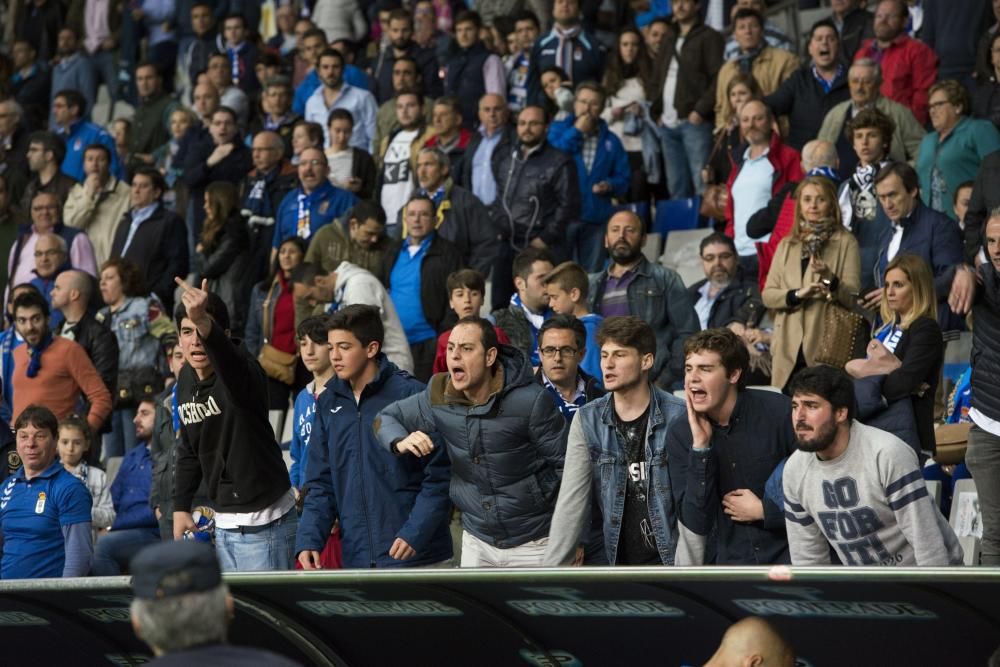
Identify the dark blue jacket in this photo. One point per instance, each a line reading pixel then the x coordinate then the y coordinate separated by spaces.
pixel 588 61
pixel 130 491
pixel 610 164
pixel 465 80
pixel 376 495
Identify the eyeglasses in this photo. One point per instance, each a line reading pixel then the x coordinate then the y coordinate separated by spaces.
pixel 937 105
pixel 52 252
pixel 551 352
pixel 313 163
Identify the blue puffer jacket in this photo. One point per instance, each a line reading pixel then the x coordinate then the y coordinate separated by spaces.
pixel 610 165
pixel 506 454
pixel 377 496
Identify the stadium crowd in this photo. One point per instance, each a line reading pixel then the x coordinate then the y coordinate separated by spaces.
pixel 424 230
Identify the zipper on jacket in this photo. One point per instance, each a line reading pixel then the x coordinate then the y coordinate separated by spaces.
pixel 364 499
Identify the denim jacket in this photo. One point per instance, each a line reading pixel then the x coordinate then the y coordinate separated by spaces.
pixel 138 325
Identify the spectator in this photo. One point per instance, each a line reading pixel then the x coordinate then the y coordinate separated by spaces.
pixel 477 173
pixel 240 51
pixel 166 157
pixel 59 377
pixel 400 36
pixel 986 98
pixel 264 188
pixel 223 251
pixel 13 149
pixel 399 519
pixel 984 50
pixel 46 152
pixel 768 65
pixel 48 537
pixel 854 23
pixel 765 166
pixel 568 46
pixel 362 241
pixel 21 261
pixel 10 339
pixel 753 638
pixel 206 102
pixel 727 296
pixel 139 324
pixel 727 138
pixel 566 288
pixel 870 134
pixel 71 71
pixel 520 438
pixel 99 38
pixel 909 67
pixel 151 123
pixel 466 292
pixel 312 205
pixel 201 43
pixel 471 70
pixel 314 350
pixel 405 78
pixel 817 263
pixel 277 115
pixel 78 135
pixel 529 305
pixel 985 197
pixel 50 260
pixel 222 394
pixel 952 153
pixel 152 237
pixel 807 96
pixel 31 83
pixel 416 285
pixel 870 471
pixel 907 348
pixel 219 75
pixel 156 22
pixel 311 45
pixel 960 204
pixel 558 98
pixel 460 214
pixel 335 93
pixel 642 529
pixel 351 168
pixel 135 524
pixel 397 157
pixel 73 447
pixel 518 63
pixel 950 35
pixel 562 344
pixel 340 19
pixel 11 218
pixel 773 34
pixel 449 135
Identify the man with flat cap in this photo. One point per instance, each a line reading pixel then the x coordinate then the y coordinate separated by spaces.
pixel 182 608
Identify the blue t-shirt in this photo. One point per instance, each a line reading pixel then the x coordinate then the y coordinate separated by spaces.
pixel 404 289
pixel 32 515
pixel 305 411
pixel 591 362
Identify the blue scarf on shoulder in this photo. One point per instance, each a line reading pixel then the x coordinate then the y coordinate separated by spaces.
pixel 35 354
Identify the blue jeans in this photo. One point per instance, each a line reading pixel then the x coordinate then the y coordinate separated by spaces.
pixel 586 245
pixel 685 152
pixel 104 66
pixel 114 550
pixel 122 436
pixel 257 548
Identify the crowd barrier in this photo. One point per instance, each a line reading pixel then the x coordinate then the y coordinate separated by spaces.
pixel 552 618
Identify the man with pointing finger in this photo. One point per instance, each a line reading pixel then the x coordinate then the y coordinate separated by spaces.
pixel 226 439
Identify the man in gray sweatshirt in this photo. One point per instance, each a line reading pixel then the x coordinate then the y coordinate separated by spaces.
pixel 854 487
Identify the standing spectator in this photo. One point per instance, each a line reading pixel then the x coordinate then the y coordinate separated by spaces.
pixel 335 93
pixel 986 98
pixel 489 388
pixel 98 26
pixel 96 205
pixel 351 169
pixel 952 153
pixel 182 120
pixel 74 447
pixel 68 112
pixel 226 438
pixel 518 63
pixel 400 36
pixel 71 71
pixel 984 49
pixel 405 78
pixel 471 70
pixel 393 512
pixel 264 188
pixel 476 174
pixel 818 262
pixel 311 45
pixel 150 127
pixel 909 67
pixel 529 305
pixel 854 23
pixel 135 523
pixel 51 537
pixel 314 350
pixel 46 152
pixel 985 197
pixel 31 84
pixel 38 22
pixel 220 75
pixel 569 46
pixel 50 260
pixel 773 34
pixel 950 34
pixel 602 171
pixel 562 344
pixel 727 137
pixel 340 19
pixel 871 134
pixel 397 157
pixel 449 135
pixel 276 107
pixel 13 149
pixel 466 293
pixel 312 205
pixel 240 51
pixel 566 288
pixel 632 285
pixel 223 251
pixel 195 49
pixel 44 220
pixel 362 241
pixel 305 135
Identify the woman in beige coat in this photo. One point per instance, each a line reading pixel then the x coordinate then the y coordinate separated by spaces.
pixel 814 265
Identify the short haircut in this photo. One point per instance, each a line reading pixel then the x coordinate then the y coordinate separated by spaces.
pixel 467 279
pixel 38 416
pixel 340 114
pixel 748 13
pixel 717 237
pixel 49 141
pixel 565 322
pixel 956 93
pixel 439 156
pixel 314 328
pixel 363 321
pixel 469 16
pixel 215 307
pixel 412 91
pixel 331 53
pixel 421 197
pixel 824 23
pixel 961 186
pixel 306 273
pixel 450 101
pixel 365 210
pixel 33 299
pixel 526 15
pixel 227 110
pixel 156 69
pixel 279 81
pixel 870 64
pixel 400 14
pixel 905 172
pixel 154 175
pixel 827 382
pixel 129 274
pixel 77 422
pixel 235 15
pixel 627 331
pixel 730 348
pixel 408 59
pixel 546 116
pixel 488 335
pixel 871 119
pixel 592 86
pixel 568 275
pixel 314 32
pixel 527 258
pixel 74 98
pixel 99 147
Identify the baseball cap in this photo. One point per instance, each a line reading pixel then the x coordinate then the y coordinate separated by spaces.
pixel 174 568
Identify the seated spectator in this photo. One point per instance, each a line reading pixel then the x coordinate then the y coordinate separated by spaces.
pixel 871 470
pixel 563 343
pixel 30 84
pixel 135 523
pixel 449 134
pixel 69 113
pixel 45 214
pixel 51 537
pixel 73 446
pixel 201 42
pixel 46 152
pixel 231 96
pixel 152 237
pixel 50 260
pixel 960 203
pixel 363 242
pixel 726 296
pixel 121 132
pixel 727 137
pixel 815 264
pixel 265 186
pixel 952 153
pixel 277 115
pixel 986 98
pixel 529 306
pixel 351 169
pixel 985 197
pixel 854 23
pixel 566 289
pixel 312 205
pixel 471 70
pixel 222 255
pixel 773 35
pixel 314 350
pixel 53 368
pixel 466 293
pixel 96 204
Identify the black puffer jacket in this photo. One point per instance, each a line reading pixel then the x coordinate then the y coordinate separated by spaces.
pixel 225 265
pixel 803 100
pixel 985 197
pixel 985 353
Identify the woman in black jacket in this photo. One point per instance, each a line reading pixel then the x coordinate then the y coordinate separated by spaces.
pixel 223 251
pixel 908 348
pixel 986 100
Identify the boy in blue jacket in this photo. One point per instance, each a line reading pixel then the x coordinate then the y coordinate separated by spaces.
pixel 315 354
pixel 394 510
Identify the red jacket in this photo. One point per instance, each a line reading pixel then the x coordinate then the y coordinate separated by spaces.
pixel 787 165
pixel 909 68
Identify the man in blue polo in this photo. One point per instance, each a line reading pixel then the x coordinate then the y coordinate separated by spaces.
pixel 44 510
pixel 68 109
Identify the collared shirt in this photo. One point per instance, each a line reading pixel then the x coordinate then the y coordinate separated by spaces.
pixel 751 192
pixel 588 151
pixel 827 85
pixel 95 29
pixel 483 185
pixel 139 216
pixel 615 300
pixel 567 408
pixel 704 305
pixel 361 105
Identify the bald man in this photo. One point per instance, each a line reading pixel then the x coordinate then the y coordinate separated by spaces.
pixel 263 189
pixel 752 642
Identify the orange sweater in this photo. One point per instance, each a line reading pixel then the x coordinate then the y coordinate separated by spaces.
pixel 66 372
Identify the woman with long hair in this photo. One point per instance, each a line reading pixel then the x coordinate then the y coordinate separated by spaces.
pixel 628 81
pixel 222 255
pixel 816 265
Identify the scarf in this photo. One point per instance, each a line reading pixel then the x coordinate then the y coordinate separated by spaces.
pixel 236 62
pixel 257 206
pixel 175 413
pixel 745 60
pixel 564 52
pixel 18 77
pixel 35 353
pixel 815 235
pixel 829 172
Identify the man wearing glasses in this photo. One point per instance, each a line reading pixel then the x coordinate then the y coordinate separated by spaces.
pixel 45 216
pixel 562 344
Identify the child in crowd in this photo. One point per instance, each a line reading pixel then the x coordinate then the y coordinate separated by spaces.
pixel 74 443
pixel 567 287
pixel 466 292
pixel 315 354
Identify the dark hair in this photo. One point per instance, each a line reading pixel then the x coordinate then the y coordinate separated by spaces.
pixel 314 328
pixel 565 322
pixel 554 69
pixel 38 416
pixel 827 382
pixel 875 119
pixel 823 23
pixel 628 331
pixel 526 15
pixel 32 300
pixel 469 16
pixel 748 13
pixel 716 237
pixel 235 15
pixel 306 273
pixel 314 130
pixel 331 53
pixel 153 174
pixel 730 348
pixel 215 307
pixel 450 101
pixel 467 279
pixel 546 113
pixel 399 14
pixel 129 274
pixel 618 71
pixel 568 275
pixel 527 258
pixel 421 197
pixel 154 66
pixel 77 422
pixel 488 335
pixel 223 201
pixel 74 98
pixel 269 59
pixel 228 110
pixel 314 32
pixel 363 321
pixel 905 172
pixel 416 92
pixel 297 241
pixel 50 141
pixel 962 186
pixel 408 59
pixel 365 210
pixel 339 114
pixel 99 147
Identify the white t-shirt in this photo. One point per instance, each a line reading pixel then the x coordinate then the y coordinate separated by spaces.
pixel 670 117
pixel 397 178
pixel 340 166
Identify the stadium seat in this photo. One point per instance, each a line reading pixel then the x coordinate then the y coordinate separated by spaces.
pixel 966 519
